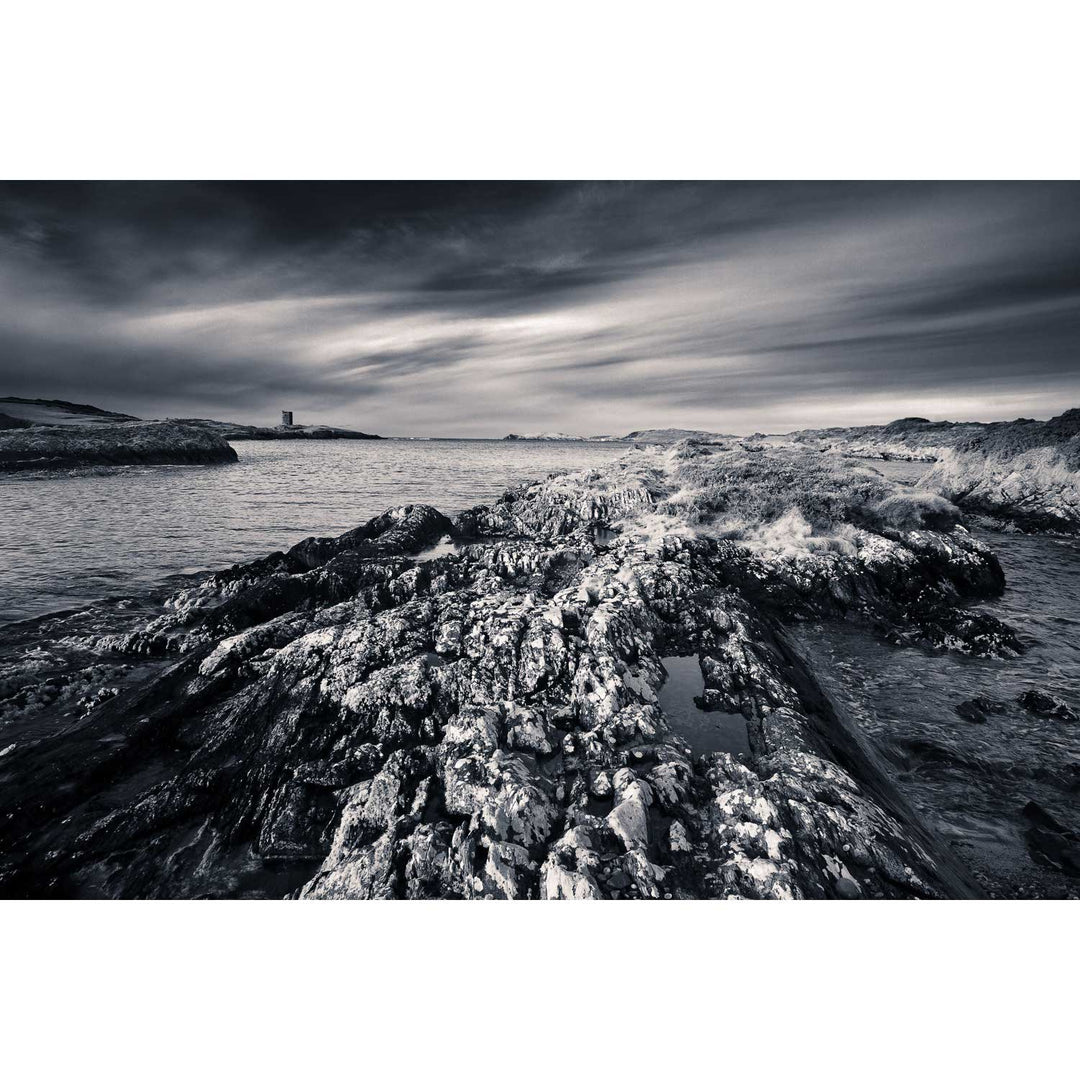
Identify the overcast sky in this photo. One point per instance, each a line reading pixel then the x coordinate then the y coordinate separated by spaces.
pixel 481 309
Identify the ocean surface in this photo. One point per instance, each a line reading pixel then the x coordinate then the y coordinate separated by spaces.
pixel 971 781
pixel 71 538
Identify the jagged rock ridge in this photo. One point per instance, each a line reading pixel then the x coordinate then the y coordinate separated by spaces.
pixel 353 718
pixel 1027 472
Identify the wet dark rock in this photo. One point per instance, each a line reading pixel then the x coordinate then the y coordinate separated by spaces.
pixel 978 710
pixel 342 720
pixel 1044 704
pixel 1041 818
pixel 128 443
pixel 1050 842
pixel 846 889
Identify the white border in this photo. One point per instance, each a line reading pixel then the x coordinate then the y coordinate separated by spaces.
pixel 560 90
pixel 249 988
pixel 587 89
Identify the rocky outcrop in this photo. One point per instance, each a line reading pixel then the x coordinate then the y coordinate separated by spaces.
pixel 913 438
pixel 1026 472
pixel 352 718
pixel 1023 471
pixel 138 443
pixel 241 432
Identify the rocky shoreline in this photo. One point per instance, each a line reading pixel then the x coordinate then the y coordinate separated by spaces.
pixel 1026 473
pixel 121 443
pixel 49 434
pixel 246 432
pixel 469 707
pixel 913 438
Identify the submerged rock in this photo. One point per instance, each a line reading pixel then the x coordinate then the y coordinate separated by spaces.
pixel 346 719
pixel 978 710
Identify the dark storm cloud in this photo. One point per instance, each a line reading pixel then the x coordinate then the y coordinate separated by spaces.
pixel 479 308
pixel 998 287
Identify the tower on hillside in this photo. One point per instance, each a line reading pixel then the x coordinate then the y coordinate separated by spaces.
pixel 286 418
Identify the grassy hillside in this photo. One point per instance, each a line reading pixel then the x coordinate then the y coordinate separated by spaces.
pixel 54 412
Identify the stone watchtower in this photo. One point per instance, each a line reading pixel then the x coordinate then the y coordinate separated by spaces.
pixel 286 418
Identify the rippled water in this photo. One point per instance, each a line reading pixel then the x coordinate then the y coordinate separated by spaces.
pixel 970 780
pixel 71 538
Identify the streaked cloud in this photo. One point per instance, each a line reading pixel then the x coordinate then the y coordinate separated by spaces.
pixel 478 309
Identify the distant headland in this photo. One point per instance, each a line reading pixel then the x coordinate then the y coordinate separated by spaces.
pixel 235 432
pixel 48 433
pixel 652 436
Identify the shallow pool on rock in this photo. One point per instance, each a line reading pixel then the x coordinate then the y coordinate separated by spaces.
pixel 706 732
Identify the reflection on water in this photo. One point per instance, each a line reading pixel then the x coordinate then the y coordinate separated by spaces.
pixel 448 545
pixel 706 732
pixel 443 546
pixel 67 539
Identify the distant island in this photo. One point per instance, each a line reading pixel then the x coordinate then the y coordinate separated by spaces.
pixel 239 432
pixel 140 442
pixel 551 436
pixel 652 436
pixel 48 433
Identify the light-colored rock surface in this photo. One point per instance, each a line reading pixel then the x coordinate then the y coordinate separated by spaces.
pixel 1029 474
pixel 346 720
